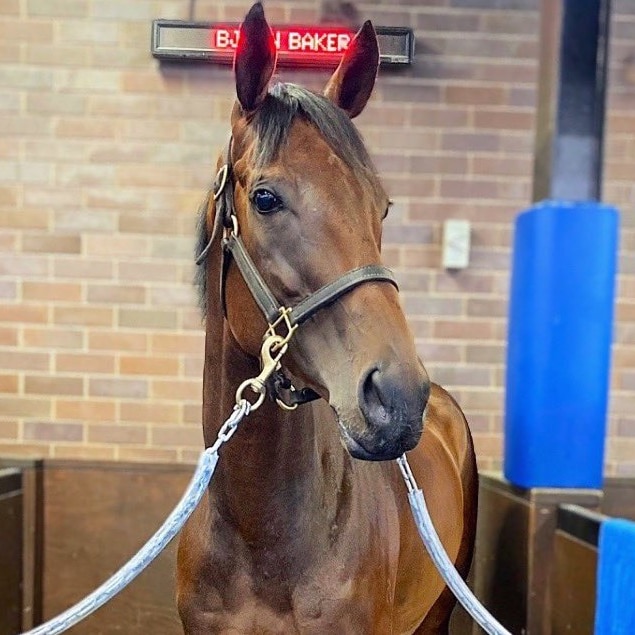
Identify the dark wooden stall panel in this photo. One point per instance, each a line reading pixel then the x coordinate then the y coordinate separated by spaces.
pixel 20 543
pixel 97 516
pixel 573 585
pixel 11 503
pixel 500 562
pixel 514 561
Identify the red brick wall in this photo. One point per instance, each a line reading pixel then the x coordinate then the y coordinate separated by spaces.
pixel 105 155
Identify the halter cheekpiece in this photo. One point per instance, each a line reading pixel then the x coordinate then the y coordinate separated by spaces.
pixel 277 315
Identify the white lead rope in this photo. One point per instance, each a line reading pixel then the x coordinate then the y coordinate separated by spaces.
pixel 440 558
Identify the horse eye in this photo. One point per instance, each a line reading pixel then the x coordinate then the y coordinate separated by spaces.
pixel 266 201
pixel 390 204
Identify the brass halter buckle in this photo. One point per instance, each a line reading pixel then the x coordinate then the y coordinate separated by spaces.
pixel 285 321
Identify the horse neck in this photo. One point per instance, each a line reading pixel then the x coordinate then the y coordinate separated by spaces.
pixel 279 466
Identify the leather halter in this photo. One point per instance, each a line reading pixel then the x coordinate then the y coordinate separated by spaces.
pixel 274 312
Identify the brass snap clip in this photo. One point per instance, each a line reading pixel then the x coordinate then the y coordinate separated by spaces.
pixel 273 348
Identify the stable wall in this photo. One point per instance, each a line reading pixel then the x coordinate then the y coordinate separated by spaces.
pixel 105 156
pixel 77 523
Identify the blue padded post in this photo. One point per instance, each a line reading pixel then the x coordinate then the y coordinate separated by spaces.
pixel 559 342
pixel 615 609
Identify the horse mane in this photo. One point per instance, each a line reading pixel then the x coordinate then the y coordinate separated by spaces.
pixel 271 124
pixel 202 238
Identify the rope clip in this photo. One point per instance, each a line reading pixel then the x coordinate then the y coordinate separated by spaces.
pixel 273 348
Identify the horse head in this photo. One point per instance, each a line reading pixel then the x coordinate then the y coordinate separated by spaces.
pixel 309 207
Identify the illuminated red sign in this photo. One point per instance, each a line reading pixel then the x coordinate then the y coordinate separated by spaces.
pixel 301 45
pixel 319 45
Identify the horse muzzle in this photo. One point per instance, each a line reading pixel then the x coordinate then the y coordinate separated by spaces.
pixel 393 416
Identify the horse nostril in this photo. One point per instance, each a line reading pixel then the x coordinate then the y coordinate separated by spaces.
pixel 387 399
pixel 375 398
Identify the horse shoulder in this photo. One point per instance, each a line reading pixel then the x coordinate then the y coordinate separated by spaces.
pixel 446 421
pixel 444 465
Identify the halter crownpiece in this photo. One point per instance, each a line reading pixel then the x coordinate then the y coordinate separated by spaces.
pixel 275 313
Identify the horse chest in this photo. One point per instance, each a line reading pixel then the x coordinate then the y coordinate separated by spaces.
pixel 315 608
pixel 273 591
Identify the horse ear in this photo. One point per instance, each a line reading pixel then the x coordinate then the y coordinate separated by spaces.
pixel 255 59
pixel 352 83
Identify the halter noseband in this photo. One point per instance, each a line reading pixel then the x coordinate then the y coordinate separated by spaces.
pixel 275 313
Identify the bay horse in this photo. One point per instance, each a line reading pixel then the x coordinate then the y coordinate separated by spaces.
pixel 305 527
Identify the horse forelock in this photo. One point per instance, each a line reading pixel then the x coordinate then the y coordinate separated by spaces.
pixel 271 125
pixel 284 103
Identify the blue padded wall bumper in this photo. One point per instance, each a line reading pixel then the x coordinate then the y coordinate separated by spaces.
pixel 559 342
